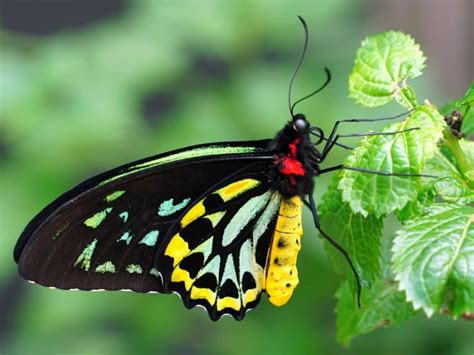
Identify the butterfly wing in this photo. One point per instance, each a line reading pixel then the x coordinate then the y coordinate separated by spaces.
pixel 105 233
pixel 215 256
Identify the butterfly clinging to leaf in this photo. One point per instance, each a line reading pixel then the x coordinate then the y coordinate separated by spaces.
pixel 219 224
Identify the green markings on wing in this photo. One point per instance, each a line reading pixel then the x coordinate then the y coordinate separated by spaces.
pixel 150 238
pixel 108 266
pixel 154 272
pixel 60 230
pixel 84 259
pixel 134 269
pixel 113 196
pixel 188 154
pixel 167 208
pixel 95 220
pixel 124 216
pixel 243 216
pixel 126 237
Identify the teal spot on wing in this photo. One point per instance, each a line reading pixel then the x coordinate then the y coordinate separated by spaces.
pixel 84 260
pixel 124 216
pixel 94 221
pixel 167 208
pixel 126 237
pixel 108 266
pixel 154 272
pixel 134 269
pixel 150 238
pixel 113 196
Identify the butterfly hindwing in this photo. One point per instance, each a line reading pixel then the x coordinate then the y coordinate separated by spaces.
pixel 105 233
pixel 215 256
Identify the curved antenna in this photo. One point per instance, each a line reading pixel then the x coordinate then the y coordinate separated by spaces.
pixel 305 46
pixel 328 73
pixel 328 79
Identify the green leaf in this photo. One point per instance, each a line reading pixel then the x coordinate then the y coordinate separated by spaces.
pixel 382 65
pixel 451 186
pixel 405 152
pixel 434 258
pixel 415 208
pixel 359 235
pixel 382 306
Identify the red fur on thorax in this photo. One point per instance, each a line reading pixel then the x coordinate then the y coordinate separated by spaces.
pixel 289 164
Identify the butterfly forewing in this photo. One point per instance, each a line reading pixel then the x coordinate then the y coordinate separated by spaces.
pixel 105 233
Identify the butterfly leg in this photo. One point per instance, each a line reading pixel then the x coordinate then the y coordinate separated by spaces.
pixel 336 245
pixel 332 139
pixel 383 173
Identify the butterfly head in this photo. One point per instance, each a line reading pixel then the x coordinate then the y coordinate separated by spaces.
pixel 302 127
pixel 300 124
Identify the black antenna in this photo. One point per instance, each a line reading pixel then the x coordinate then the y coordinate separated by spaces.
pixel 328 73
pixel 328 79
pixel 305 46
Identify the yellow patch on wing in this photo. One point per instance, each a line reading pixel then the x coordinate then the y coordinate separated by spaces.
pixel 228 302
pixel 180 275
pixel 250 296
pixel 177 249
pixel 198 210
pixel 203 293
pixel 215 218
pixel 281 273
pixel 237 188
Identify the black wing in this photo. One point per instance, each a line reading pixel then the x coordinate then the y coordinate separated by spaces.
pixel 105 233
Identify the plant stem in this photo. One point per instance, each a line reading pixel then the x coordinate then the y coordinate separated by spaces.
pixel 452 143
pixel 406 97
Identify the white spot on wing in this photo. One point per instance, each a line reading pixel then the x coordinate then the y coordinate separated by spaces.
pixel 243 216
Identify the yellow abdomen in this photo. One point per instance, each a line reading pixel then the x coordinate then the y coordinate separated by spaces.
pixel 281 273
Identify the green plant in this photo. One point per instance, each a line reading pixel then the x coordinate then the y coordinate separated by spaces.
pixel 429 264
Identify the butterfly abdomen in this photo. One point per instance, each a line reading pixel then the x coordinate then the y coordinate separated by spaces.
pixel 281 273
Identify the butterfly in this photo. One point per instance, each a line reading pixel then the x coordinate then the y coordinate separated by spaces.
pixel 218 224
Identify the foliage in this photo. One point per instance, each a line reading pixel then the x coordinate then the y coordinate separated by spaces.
pixel 433 251
pixel 159 76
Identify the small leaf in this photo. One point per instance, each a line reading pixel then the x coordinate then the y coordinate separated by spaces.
pixel 359 235
pixel 382 306
pixel 450 186
pixel 434 258
pixel 405 152
pixel 382 65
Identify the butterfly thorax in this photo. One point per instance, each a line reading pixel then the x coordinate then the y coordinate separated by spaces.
pixel 295 160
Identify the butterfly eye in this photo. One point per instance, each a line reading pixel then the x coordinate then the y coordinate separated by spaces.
pixel 300 124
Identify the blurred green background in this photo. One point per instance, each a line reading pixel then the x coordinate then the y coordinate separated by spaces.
pixel 88 85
